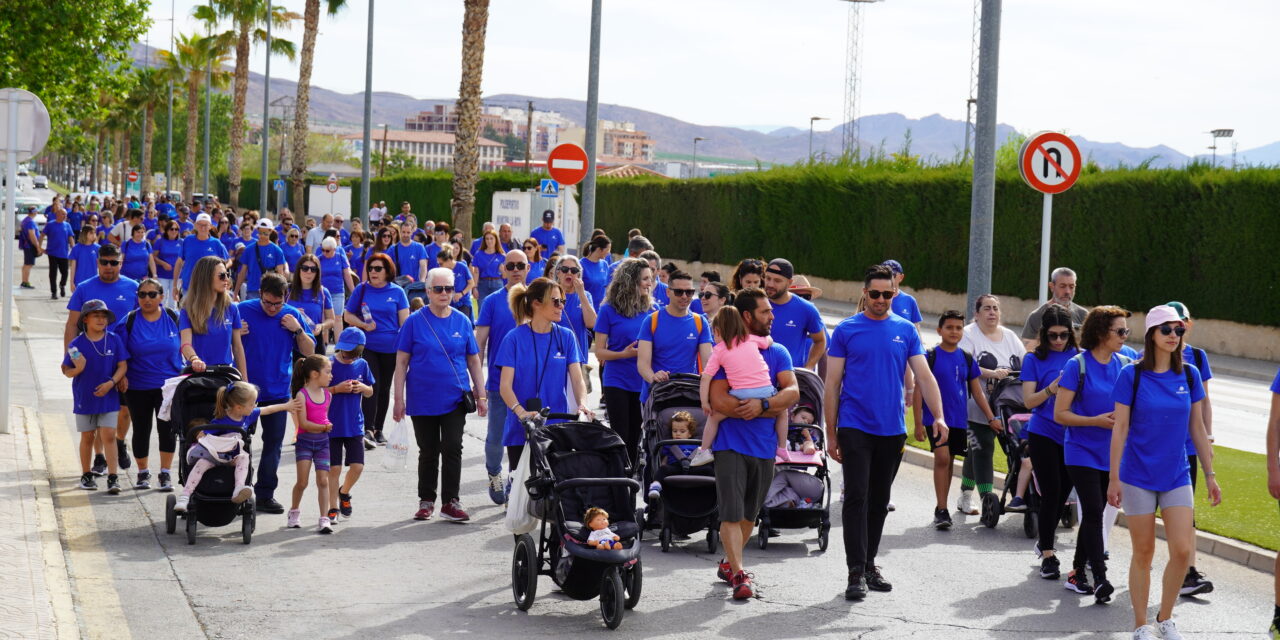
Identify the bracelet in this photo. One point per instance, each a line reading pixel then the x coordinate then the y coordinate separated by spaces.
pixel 1210 474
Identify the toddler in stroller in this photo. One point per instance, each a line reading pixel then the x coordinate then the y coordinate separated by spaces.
pixel 737 351
pixel 683 427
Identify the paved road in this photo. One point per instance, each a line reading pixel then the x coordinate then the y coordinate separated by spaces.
pixel 383 575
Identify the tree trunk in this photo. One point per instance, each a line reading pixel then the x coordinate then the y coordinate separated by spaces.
pixel 298 172
pixel 235 160
pixel 126 148
pixel 189 158
pixel 466 153
pixel 96 178
pixel 145 165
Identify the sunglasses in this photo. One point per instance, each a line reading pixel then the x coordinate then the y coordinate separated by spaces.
pixel 148 294
pixel 309 269
pixel 441 289
pixel 1166 329
pixel 293 237
pixel 558 302
pixel 876 294
pixel 1122 332
pixel 682 292
pixel 1055 335
pixel 516 266
pixel 529 247
pixel 375 268
pixel 574 270
pixel 707 295
pixel 222 275
pixel 109 263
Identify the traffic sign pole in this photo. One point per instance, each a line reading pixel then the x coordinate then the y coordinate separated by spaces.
pixel 1046 225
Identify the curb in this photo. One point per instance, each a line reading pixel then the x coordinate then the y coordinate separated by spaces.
pixel 57 580
pixel 1251 556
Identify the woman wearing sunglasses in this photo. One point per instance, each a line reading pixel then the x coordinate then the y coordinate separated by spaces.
pixel 1085 407
pixel 83 260
pixel 714 297
pixel 1158 402
pixel 152 336
pixel 579 315
pixel 379 308
pixel 537 263
pixel 486 268
pixel 209 321
pixel 168 246
pixel 358 253
pixel 292 247
pixel 308 294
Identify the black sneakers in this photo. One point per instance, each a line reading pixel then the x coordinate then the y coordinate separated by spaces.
pixel 166 485
pixel 99 467
pixel 1102 594
pixel 122 455
pixel 876 582
pixel 143 481
pixel 1050 568
pixel 857 588
pixel 1195 584
pixel 113 484
pixel 1078 583
pixel 87 482
pixel 941 519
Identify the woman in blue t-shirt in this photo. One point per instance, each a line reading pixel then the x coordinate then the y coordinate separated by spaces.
pixel 486 265
pixel 168 248
pixel 463 285
pixel 209 320
pixel 579 307
pixel 152 337
pixel 292 248
pixel 537 262
pixel 1158 401
pixel 1085 408
pixel 83 260
pixel 357 252
pixel 1041 376
pixel 379 308
pixel 335 276
pixel 137 254
pixel 627 303
pixel 307 294
pixel 595 268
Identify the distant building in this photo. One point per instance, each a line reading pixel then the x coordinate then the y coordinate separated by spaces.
pixel 504 121
pixel 616 142
pixel 429 149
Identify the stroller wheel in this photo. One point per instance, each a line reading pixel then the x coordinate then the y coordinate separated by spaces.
pixel 1030 525
pixel 524 572
pixel 640 523
pixel 664 537
pixel 990 510
pixel 824 537
pixel 632 581
pixel 170 516
pixel 713 540
pixel 248 522
pixel 612 599
pixel 191 525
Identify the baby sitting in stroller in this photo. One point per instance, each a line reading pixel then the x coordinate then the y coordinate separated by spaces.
pixel 803 414
pixel 683 427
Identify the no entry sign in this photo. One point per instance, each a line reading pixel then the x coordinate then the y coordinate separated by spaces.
pixel 1050 162
pixel 567 164
pixel 132 176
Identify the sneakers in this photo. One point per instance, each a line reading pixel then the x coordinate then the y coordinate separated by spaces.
pixel 1050 568
pixel 122 455
pixel 99 467
pixel 344 504
pixel 701 457
pixel 1168 630
pixel 1146 632
pixel 166 484
pixel 941 519
pixel 87 482
pixel 426 509
pixel 181 505
pixel 724 571
pixel 742 586
pixel 295 519
pixel 1102 594
pixel 369 442
pixel 1275 629
pixel 325 526
pixel 497 493
pixel 452 511
pixel 1078 583
pixel 143 481
pixel 333 516
pixel 26 285
pixel 876 582
pixel 113 484
pixel 655 492
pixel 241 494
pixel 857 588
pixel 1016 505
pixel 891 506
pixel 380 439
pixel 966 503
pixel 1195 584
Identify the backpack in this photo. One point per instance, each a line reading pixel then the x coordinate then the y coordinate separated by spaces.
pixel 133 315
pixel 697 321
pixel 1079 358
pixel 1137 379
pixel 931 356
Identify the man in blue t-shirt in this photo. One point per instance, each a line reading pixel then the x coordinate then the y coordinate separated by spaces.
pixel 548 235
pixel 746 443
pixel 29 242
pixel 410 257
pixel 866 419
pixel 197 246
pixel 797 325
pixel 903 303
pixel 673 339
pixel 492 327
pixel 259 259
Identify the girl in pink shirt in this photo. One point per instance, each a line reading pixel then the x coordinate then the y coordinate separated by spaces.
pixel 737 351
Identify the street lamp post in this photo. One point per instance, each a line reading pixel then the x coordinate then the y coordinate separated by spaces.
pixel 365 187
pixel 696 140
pixel 1219 133
pixel 264 177
pixel 382 165
pixel 813 119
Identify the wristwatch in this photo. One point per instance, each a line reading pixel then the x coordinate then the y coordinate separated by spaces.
pixel 764 404
pixel 298 332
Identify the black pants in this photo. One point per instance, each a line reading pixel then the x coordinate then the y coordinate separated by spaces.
pixel 439 454
pixel 374 407
pixel 623 408
pixel 57 266
pixel 1195 467
pixel 143 405
pixel 1091 487
pixel 870 465
pixel 513 456
pixel 1054 484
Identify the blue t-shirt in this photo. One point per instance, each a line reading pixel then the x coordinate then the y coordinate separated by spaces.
pixel 621 332
pixel 905 306
pixel 167 251
pixel 313 306
pixel 137 259
pixel 462 276
pixel 660 295
pixel 495 313
pixel 121 296
pixel 345 412
pixel 230 240
pixel 488 264
pixel 573 321
pixel 1206 374
pixel 876 354
pixel 101 358
pixel 269 256
pixel 58 238
pixel 166 208
pixel 331 272
pixel 291 254
pixel 214 346
pixel 550 239
pixel 356 257
pixel 227 424
pixel 595 277
pixel 675 343
pixel 1130 353
pixel 406 259
pixel 1090 446
pixel 384 304
pixel 438 350
pixel 268 348
pixel 193 249
pixel 433 250
pixel 186 227
pixel 29 228
pixel 1155 456
pixel 153 349
pixel 535 271
pixel 793 323
pixel 953 371
pixel 541 363
pixel 74 218
pixel 756 438
pixel 1043 373
pixel 86 257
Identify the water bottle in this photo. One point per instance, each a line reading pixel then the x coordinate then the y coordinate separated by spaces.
pixel 366 313
pixel 74 353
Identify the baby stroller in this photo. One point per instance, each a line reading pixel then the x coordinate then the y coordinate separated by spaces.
pixel 1006 402
pixel 574 466
pixel 210 503
pixel 800 496
pixel 688 503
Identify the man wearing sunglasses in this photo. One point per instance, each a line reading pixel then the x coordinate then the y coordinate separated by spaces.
pixel 797 325
pixel 672 339
pixel 495 322
pixel 1062 292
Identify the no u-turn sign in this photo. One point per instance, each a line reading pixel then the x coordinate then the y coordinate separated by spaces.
pixel 1050 162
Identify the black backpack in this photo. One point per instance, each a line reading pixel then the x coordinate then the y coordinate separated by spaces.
pixel 931 356
pixel 133 315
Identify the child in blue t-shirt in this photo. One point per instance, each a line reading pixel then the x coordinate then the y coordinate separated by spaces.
pixel 683 427
pixel 96 363
pixel 352 383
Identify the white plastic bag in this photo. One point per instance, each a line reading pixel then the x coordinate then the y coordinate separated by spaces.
pixel 396 455
pixel 519 520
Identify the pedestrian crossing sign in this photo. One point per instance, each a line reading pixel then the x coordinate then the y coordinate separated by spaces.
pixel 278 185
pixel 549 188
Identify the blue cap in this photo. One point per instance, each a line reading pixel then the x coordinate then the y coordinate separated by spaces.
pixel 894 265
pixel 349 339
pixel 96 306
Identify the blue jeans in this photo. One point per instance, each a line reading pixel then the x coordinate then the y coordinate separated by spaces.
pixel 252 295
pixel 493 439
pixel 271 435
pixel 486 286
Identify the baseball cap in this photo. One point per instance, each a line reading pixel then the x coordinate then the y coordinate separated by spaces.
pixel 781 267
pixel 893 265
pixel 1160 315
pixel 349 339
pixel 204 217
pixel 1184 313
pixel 91 306
pixel 548 216
pixel 264 224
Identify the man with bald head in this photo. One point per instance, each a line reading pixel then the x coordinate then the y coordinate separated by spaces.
pixel 495 322
pixel 506 238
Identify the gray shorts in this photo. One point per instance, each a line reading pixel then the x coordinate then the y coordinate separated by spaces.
pixel 742 482
pixel 87 422
pixel 1140 502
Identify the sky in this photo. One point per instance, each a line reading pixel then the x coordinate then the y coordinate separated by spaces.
pixel 1140 72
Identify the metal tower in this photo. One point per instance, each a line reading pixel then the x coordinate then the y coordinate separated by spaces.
pixel 972 102
pixel 852 72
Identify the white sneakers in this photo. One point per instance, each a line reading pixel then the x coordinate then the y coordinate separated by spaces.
pixel 701 457
pixel 1145 632
pixel 1167 630
pixel 181 505
pixel 966 503
pixel 325 525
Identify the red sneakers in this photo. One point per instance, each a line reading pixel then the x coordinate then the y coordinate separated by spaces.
pixel 426 511
pixel 742 586
pixel 453 512
pixel 724 571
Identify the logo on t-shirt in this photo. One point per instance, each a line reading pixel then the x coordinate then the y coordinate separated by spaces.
pixel 559 355
pixel 456 335
pixel 899 340
pixel 791 323
pixel 1182 388
pixel 391 299
pixel 691 336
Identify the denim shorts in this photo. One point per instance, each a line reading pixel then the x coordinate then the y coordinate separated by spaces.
pixel 317 451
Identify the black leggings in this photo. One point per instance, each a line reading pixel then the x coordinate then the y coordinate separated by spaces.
pixel 439 454
pixel 374 407
pixel 1091 487
pixel 1053 483
pixel 143 404
pixel 870 465
pixel 623 408
pixel 1195 466
pixel 514 452
pixel 56 266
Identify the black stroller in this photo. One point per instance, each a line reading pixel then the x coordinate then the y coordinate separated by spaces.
pixel 688 503
pixel 574 466
pixel 799 472
pixel 1006 402
pixel 210 503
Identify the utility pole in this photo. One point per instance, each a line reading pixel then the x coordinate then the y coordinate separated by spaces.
pixel 382 168
pixel 208 111
pixel 366 188
pixel 593 124
pixel 264 177
pixel 168 138
pixel 528 137
pixel 982 210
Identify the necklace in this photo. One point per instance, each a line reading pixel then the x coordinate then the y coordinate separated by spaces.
pixel 94 344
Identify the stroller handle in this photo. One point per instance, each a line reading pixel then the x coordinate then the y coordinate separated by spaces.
pixel 574 483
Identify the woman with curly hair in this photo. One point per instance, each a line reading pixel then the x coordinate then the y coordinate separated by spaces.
pixel 748 274
pixel 628 302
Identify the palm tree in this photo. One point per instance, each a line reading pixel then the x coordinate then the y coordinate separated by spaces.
pixel 188 64
pixel 150 92
pixel 246 18
pixel 466 159
pixel 298 155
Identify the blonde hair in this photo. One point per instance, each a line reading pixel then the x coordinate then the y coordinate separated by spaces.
pixel 684 417
pixel 522 297
pixel 202 303
pixel 233 395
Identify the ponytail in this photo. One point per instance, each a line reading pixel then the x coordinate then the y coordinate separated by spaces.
pixel 522 297
pixel 302 370
pixel 235 393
